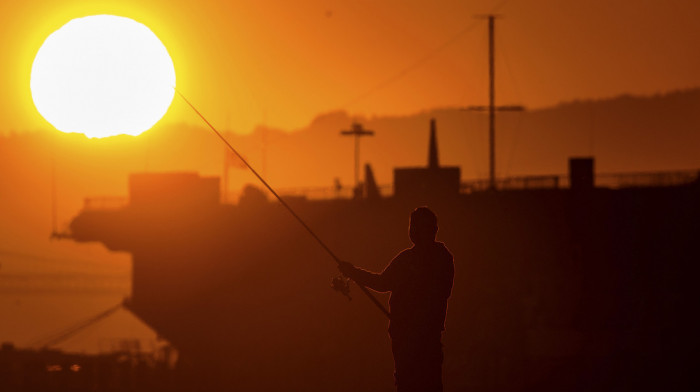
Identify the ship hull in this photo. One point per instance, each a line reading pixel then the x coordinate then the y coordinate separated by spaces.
pixel 554 289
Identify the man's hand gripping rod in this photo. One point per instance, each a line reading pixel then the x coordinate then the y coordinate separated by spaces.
pixel 291 211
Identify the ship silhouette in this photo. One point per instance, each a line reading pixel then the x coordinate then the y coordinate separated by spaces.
pixel 561 283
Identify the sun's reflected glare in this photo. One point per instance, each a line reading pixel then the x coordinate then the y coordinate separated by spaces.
pixel 103 75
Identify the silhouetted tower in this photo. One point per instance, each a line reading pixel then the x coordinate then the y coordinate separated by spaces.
pixel 492 102
pixel 433 162
pixel 492 106
pixel 425 183
pixel 357 131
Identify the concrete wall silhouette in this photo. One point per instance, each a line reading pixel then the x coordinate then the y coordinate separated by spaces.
pixel 554 289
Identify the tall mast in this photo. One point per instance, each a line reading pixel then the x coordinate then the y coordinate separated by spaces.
pixel 357 131
pixel 492 106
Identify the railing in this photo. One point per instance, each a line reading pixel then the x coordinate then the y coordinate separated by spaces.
pixel 319 193
pixel 605 180
pixel 646 179
pixel 515 183
pixel 314 193
pixel 105 203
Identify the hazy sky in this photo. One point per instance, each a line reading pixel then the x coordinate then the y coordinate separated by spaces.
pixel 281 63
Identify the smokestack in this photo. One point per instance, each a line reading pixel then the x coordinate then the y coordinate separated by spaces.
pixel 433 162
pixel 371 188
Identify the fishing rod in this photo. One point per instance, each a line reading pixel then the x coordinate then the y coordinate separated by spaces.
pixel 284 203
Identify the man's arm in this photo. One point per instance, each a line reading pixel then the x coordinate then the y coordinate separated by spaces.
pixel 378 282
pixel 447 277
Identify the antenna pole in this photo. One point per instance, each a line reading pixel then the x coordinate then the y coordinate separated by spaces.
pixel 492 106
pixel 54 202
pixel 357 131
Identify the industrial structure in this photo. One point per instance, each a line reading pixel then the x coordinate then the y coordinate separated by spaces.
pixel 575 283
pixel 561 283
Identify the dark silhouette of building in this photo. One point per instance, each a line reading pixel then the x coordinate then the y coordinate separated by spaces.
pixel 23 370
pixel 581 287
pixel 429 182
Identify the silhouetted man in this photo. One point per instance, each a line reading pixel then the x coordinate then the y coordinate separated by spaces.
pixel 420 280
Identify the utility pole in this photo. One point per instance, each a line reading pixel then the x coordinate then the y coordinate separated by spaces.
pixel 263 149
pixel 492 108
pixel 263 136
pixel 357 131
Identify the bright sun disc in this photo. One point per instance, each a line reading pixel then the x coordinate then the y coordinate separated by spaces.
pixel 103 75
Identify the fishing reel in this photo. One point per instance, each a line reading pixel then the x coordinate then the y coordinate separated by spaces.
pixel 341 284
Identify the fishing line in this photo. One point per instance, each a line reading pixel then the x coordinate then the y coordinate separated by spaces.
pixel 291 211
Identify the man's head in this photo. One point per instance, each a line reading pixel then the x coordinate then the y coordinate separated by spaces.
pixel 423 226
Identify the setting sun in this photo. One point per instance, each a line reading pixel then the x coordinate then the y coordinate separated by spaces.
pixel 102 75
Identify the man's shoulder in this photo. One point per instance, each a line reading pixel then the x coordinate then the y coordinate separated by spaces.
pixel 444 259
pixel 442 249
pixel 437 251
pixel 404 254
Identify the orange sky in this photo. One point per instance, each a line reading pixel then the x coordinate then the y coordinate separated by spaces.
pixel 281 63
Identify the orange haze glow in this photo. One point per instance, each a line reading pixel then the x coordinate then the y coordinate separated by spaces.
pixel 283 78
pixel 247 63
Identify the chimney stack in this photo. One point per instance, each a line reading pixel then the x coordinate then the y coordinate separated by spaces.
pixel 433 162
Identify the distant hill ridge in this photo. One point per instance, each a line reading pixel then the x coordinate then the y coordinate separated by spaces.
pixel 625 133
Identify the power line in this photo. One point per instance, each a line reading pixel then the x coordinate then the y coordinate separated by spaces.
pixel 410 67
pixel 417 63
